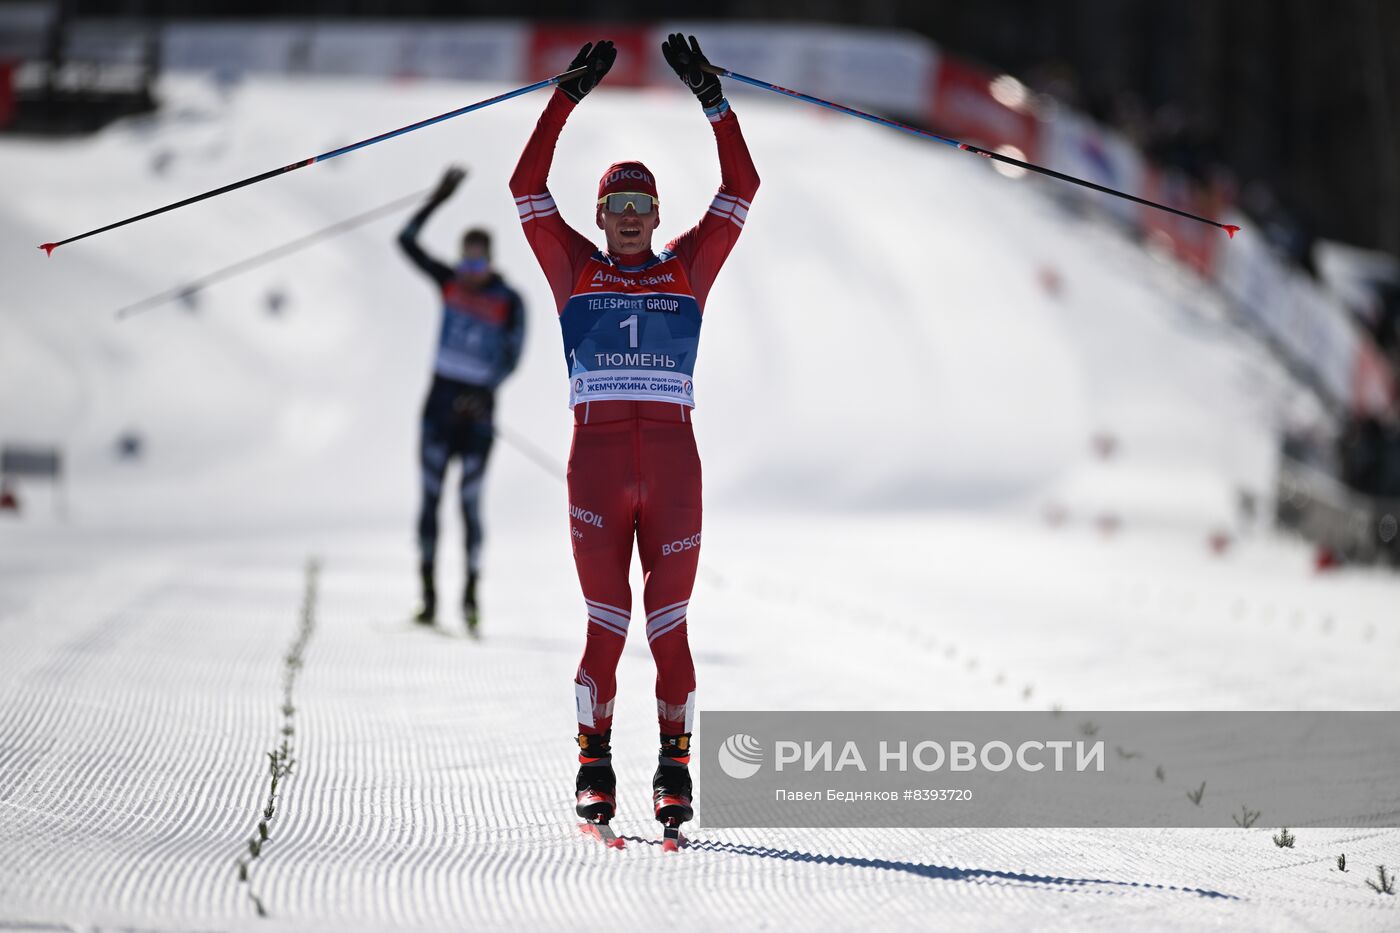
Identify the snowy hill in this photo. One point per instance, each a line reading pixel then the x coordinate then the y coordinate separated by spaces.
pixel 908 360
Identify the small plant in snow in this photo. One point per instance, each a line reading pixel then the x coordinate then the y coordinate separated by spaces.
pixel 1197 794
pixel 1161 773
pixel 1284 839
pixel 1125 754
pixel 279 760
pixel 1246 818
pixel 1387 881
pixel 1342 862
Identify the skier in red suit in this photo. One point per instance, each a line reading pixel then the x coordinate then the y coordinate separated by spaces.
pixel 631 324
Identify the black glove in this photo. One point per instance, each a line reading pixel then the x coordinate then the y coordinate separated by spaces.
pixel 686 61
pixel 450 180
pixel 599 58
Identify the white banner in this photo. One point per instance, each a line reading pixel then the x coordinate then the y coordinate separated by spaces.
pixel 1075 145
pixel 1309 325
pixel 477 51
pixel 237 47
pixel 634 385
pixel 490 50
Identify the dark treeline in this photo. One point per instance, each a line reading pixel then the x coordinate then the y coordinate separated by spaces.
pixel 1295 104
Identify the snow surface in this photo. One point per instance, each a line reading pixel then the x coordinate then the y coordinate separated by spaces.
pixel 907 362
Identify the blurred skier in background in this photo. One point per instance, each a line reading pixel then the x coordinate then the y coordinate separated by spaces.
pixel 631 322
pixel 479 343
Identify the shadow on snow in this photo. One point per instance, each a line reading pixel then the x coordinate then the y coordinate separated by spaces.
pixel 922 870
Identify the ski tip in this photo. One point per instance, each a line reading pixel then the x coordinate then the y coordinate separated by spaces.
pixel 48 248
pixel 600 832
pixel 1230 229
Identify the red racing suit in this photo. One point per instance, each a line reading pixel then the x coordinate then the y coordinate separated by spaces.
pixel 633 467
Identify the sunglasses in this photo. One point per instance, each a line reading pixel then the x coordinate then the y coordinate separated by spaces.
pixel 618 201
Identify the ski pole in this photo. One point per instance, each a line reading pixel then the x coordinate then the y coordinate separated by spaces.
pixel 326 156
pixel 277 252
pixel 1230 229
pixel 529 451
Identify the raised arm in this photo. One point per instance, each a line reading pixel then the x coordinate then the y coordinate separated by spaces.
pixel 704 247
pixel 558 247
pixel 408 236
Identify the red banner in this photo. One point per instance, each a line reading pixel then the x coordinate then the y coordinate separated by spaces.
pixel 1191 241
pixel 552 47
pixel 964 105
pixel 7 93
pixel 1372 381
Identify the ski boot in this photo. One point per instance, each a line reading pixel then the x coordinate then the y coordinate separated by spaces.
pixel 469 611
pixel 595 790
pixel 670 788
pixel 427 609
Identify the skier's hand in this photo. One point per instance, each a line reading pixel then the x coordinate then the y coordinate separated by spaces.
pixel 687 61
pixel 449 182
pixel 598 59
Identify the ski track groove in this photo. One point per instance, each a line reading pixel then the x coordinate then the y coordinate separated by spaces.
pixel 151 790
